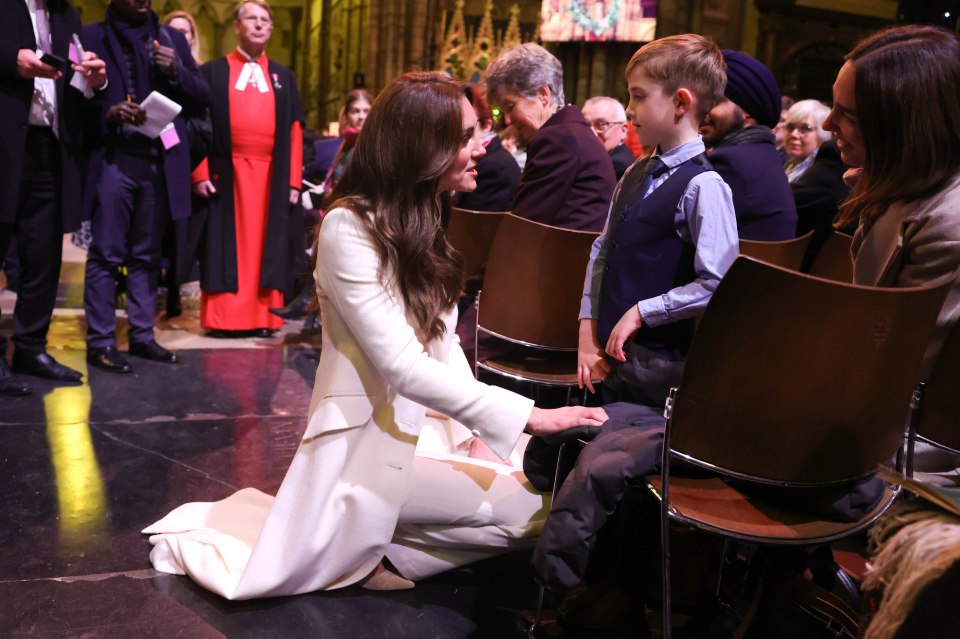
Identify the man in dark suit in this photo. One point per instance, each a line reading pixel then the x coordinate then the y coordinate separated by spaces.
pixel 608 119
pixel 40 183
pixel 738 133
pixel 137 181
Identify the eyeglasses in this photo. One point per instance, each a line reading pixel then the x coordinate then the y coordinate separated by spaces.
pixel 602 125
pixel 803 129
pixel 253 20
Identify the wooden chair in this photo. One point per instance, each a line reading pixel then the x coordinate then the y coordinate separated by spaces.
pixel 833 261
pixel 472 233
pixel 531 298
pixel 773 395
pixel 788 253
pixel 937 403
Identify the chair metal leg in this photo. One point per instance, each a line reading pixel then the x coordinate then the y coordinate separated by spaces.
pixel 665 518
pixel 723 557
pixel 665 546
pixel 538 615
pixel 915 404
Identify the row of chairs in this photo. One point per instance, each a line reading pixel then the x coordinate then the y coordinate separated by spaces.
pixel 531 294
pixel 792 380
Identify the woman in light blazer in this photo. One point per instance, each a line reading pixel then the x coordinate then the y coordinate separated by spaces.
pixel 896 115
pixel 406 459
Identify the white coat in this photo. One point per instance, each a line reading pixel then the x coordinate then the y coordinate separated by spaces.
pixel 337 509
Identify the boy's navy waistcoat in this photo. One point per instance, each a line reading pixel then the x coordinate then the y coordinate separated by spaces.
pixel 646 257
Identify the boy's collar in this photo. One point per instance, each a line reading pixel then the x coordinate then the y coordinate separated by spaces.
pixel 680 154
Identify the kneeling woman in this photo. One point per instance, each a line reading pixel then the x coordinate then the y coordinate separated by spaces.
pixel 401 458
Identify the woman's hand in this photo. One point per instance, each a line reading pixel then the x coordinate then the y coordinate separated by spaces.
pixel 548 421
pixel 479 450
pixel 591 364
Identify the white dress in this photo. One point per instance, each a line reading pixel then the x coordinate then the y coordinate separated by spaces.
pixel 380 471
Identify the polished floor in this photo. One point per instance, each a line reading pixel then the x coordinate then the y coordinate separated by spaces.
pixel 84 468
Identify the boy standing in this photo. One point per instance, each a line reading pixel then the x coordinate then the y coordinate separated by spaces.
pixel 670 236
pixel 671 233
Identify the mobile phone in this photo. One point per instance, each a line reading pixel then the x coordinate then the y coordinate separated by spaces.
pixel 54 61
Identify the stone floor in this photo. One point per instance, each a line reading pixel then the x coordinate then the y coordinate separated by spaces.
pixel 84 468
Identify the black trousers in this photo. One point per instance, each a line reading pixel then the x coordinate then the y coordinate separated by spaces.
pixel 38 230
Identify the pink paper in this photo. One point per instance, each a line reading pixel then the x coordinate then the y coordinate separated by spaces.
pixel 169 137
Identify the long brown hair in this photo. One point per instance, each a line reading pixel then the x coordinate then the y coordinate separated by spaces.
pixel 907 90
pixel 413 133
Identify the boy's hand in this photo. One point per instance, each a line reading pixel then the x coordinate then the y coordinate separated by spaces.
pixel 591 363
pixel 623 332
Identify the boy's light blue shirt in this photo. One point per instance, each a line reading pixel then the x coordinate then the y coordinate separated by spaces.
pixel 705 217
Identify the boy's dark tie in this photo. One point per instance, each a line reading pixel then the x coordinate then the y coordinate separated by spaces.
pixel 655 168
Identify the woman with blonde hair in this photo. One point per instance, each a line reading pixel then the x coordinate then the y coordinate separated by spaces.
pixel 185 24
pixel 803 135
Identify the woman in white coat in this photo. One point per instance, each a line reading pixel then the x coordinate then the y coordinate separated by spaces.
pixel 406 459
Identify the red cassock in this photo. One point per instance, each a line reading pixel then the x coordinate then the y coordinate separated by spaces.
pixel 252 124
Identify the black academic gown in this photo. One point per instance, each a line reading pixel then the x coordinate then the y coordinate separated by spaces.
pixel 213 231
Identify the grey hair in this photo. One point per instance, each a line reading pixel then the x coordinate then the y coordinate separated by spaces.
pixel 523 69
pixel 613 102
pixel 814 110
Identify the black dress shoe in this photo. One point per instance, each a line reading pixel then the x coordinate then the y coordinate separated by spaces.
pixel 10 384
pixel 151 350
pixel 109 359
pixel 41 364
pixel 221 333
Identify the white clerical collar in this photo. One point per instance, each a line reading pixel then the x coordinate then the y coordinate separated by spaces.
pixel 251 73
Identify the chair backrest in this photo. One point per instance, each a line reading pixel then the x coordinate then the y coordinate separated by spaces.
pixel 833 260
pixel 798 380
pixel 939 418
pixel 788 253
pixel 533 283
pixel 472 233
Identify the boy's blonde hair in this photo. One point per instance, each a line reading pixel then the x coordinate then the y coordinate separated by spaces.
pixel 688 60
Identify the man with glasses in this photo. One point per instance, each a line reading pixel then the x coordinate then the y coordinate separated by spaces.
pixel 608 120
pixel 250 183
pixel 738 134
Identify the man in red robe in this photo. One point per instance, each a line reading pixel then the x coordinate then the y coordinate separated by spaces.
pixel 251 180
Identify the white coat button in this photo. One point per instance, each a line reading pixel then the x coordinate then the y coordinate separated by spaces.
pixel 475 432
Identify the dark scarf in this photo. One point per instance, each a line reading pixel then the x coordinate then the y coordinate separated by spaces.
pixel 139 39
pixel 756 134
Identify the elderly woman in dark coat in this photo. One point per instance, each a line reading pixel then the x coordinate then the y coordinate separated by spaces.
pixel 568 179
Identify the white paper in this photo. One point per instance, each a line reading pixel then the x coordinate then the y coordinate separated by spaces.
pixel 161 111
pixel 79 83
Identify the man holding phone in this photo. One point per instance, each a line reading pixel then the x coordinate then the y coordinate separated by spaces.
pixel 40 184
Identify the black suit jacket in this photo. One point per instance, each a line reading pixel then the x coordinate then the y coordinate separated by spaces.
pixel 16 94
pixel 497 177
pixel 568 179
pixel 622 160
pixel 819 191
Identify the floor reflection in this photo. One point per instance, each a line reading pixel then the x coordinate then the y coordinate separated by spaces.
pixel 85 468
